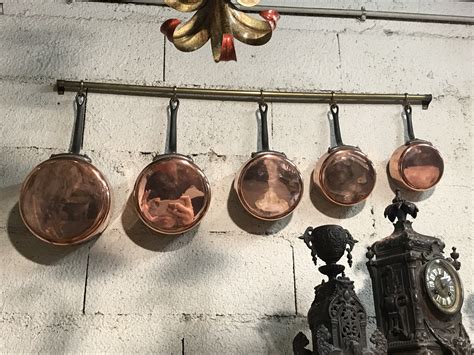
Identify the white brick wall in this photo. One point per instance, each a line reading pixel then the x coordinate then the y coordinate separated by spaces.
pixel 235 285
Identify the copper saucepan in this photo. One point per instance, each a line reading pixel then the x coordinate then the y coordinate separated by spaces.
pixel 345 175
pixel 66 200
pixel 417 165
pixel 172 194
pixel 269 185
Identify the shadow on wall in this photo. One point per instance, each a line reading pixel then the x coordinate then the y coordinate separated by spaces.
pixel 331 209
pixel 278 332
pixel 33 248
pixel 468 311
pixel 47 64
pixel 365 292
pixel 144 237
pixel 57 334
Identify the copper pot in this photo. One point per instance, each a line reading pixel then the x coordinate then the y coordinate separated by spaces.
pixel 172 194
pixel 269 185
pixel 417 165
pixel 345 175
pixel 66 200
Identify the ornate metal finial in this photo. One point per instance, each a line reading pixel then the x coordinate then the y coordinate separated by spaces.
pixel 400 208
pixel 455 256
pixel 329 243
pixel 221 22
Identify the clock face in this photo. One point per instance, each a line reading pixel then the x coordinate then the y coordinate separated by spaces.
pixel 443 286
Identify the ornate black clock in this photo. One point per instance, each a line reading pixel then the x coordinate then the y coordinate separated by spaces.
pixel 417 291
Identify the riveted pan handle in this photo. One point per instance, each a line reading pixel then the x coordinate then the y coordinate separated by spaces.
pixel 337 129
pixel 79 124
pixel 174 105
pixel 408 115
pixel 263 107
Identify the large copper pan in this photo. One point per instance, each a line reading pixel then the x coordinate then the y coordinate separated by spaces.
pixel 417 165
pixel 172 194
pixel 66 200
pixel 345 175
pixel 269 185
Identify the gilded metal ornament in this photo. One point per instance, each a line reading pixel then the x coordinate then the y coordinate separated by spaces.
pixel 221 22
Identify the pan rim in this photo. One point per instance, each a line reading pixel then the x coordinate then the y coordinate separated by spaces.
pixel 207 193
pixel 240 176
pixel 101 223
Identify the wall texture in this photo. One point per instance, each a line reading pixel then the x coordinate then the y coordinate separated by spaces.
pixel 235 285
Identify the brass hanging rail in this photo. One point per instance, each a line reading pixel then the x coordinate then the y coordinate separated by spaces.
pixel 242 95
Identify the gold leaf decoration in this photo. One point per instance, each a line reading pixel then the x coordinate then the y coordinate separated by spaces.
pixel 221 22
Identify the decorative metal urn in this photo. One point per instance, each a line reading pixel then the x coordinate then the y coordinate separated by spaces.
pixel 337 318
pixel 417 291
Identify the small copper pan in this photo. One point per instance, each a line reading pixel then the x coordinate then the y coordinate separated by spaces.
pixel 66 200
pixel 417 165
pixel 345 175
pixel 172 194
pixel 269 185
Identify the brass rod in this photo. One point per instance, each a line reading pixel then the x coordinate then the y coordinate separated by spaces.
pixel 242 95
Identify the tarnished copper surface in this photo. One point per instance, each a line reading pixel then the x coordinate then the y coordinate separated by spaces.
pixel 345 175
pixel 172 194
pixel 269 186
pixel 65 200
pixel 417 166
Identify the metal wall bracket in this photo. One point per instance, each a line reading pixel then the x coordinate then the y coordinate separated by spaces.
pixel 243 95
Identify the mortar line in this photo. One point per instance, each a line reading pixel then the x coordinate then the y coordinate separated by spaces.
pixel 1 8
pixel 164 58
pixel 340 58
pixel 85 283
pixel 294 278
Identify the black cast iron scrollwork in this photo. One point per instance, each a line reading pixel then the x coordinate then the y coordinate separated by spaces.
pixel 400 208
pixel 337 318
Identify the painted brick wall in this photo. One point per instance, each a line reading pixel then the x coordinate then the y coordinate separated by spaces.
pixel 235 285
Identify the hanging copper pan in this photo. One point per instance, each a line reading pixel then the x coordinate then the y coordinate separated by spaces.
pixel 345 175
pixel 269 185
pixel 417 165
pixel 66 200
pixel 172 194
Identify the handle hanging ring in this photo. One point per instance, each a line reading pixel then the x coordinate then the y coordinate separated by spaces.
pixel 81 88
pixel 174 102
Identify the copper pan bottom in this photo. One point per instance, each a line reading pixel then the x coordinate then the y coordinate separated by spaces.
pixel 269 186
pixel 172 194
pixel 65 200
pixel 345 176
pixel 417 166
